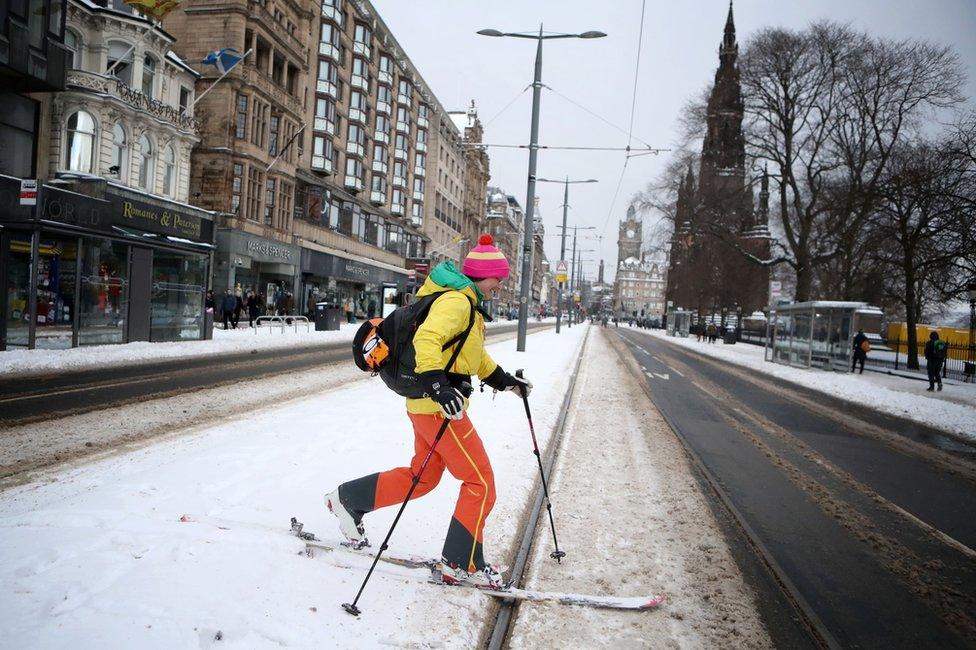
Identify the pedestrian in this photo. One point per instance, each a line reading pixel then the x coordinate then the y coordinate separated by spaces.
pixel 253 310
pixel 711 332
pixel 238 306
pixel 861 348
pixel 460 450
pixel 227 306
pixel 371 309
pixel 935 355
pixel 209 304
pixel 279 300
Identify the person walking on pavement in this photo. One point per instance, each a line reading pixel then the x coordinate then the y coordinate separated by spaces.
pixel 460 451
pixel 227 306
pixel 252 308
pixel 861 349
pixel 935 356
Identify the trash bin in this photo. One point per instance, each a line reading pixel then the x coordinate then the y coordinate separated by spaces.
pixel 327 317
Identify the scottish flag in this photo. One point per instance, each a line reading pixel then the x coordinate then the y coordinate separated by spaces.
pixel 224 59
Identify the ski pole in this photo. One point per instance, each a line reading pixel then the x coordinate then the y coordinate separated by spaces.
pixel 557 554
pixel 351 607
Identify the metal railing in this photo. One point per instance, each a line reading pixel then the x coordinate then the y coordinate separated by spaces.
pixel 282 322
pixel 960 361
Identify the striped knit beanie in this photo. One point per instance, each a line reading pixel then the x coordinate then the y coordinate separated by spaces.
pixel 485 261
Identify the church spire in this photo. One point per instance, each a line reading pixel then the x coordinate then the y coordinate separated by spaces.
pixel 729 49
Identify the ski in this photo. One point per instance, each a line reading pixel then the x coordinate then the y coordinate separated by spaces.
pixel 313 543
pixel 633 603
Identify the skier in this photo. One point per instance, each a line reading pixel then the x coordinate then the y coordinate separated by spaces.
pixel 460 450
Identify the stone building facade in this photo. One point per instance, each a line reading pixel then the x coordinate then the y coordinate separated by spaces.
pixel 639 284
pixel 716 223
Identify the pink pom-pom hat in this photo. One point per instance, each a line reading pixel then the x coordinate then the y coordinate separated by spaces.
pixel 485 261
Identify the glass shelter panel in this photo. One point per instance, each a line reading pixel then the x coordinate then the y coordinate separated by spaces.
pixel 178 285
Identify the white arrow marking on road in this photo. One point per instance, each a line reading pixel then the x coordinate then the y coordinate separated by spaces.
pixel 664 376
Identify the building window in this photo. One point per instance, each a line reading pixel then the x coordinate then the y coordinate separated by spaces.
pixel 357 100
pixel 254 184
pixel 378 183
pixel 122 52
pixel 269 201
pixel 418 185
pixel 380 154
pixel 423 111
pixel 81 142
pixel 148 76
pixel 361 34
pixel 356 134
pixel 73 43
pixel 185 101
pixel 404 91
pixel 354 168
pixel 284 205
pixel 417 210
pixel 147 166
pixel 329 34
pixel 382 124
pixel 401 142
pixel 420 161
pixel 273 136
pixel 119 166
pixel 325 110
pixel 386 64
pixel 384 94
pixel 240 130
pixel 259 122
pixel 169 171
pixel 327 72
pixel 403 114
pixel 236 187
pixel 322 151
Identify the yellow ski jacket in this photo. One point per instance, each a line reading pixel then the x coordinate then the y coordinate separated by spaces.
pixel 448 317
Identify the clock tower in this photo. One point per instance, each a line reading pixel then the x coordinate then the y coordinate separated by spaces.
pixel 629 239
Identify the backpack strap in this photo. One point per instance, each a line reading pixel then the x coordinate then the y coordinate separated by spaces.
pixel 460 339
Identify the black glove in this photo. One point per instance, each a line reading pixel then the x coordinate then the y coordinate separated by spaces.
pixel 440 390
pixel 501 380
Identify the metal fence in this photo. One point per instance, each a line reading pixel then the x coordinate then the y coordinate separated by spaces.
pixel 960 360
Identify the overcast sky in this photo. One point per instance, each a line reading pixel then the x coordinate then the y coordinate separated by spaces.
pixel 678 58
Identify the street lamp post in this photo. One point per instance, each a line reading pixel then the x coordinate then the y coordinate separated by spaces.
pixel 971 291
pixel 562 245
pixel 526 288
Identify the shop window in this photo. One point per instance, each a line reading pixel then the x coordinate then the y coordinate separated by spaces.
pixel 18 293
pixel 178 285
pixel 119 157
pixel 81 142
pixel 148 76
pixel 104 292
pixel 169 171
pixel 147 164
pixel 56 278
pixel 121 52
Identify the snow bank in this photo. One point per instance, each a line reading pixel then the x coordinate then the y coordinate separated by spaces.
pixel 97 556
pixel 952 410
pixel 244 339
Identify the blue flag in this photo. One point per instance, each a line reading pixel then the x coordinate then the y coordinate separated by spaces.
pixel 224 59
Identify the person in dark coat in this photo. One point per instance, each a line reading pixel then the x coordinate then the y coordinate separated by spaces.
pixel 860 353
pixel 371 308
pixel 227 306
pixel 253 309
pixel 935 354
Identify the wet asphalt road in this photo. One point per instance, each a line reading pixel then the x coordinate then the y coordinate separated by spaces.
pixel 868 521
pixel 69 393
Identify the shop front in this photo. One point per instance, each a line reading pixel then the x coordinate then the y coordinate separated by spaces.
pixel 362 287
pixel 91 262
pixel 248 263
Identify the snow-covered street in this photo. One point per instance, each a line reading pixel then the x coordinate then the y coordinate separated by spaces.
pixel 182 541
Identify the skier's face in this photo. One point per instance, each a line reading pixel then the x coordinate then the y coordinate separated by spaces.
pixel 488 286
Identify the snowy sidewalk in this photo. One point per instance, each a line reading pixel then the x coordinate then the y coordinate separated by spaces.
pixel 96 557
pixel 952 410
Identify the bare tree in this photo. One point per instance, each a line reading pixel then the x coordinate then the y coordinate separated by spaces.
pixel 926 226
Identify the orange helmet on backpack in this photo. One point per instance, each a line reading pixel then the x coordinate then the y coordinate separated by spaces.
pixel 369 351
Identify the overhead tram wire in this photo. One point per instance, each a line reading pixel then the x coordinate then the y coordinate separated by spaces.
pixel 633 111
pixel 507 106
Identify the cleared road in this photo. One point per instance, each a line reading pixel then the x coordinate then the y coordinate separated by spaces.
pixel 61 394
pixel 869 522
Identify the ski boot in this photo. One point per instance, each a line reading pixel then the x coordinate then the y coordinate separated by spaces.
pixel 486 577
pixel 350 524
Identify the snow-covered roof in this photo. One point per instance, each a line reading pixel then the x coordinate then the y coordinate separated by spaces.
pixel 172 56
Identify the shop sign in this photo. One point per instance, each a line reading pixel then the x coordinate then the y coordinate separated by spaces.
pixel 355 270
pixel 325 265
pixel 158 220
pixel 74 209
pixel 28 191
pixel 269 249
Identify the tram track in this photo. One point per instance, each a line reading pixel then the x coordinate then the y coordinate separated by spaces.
pixel 506 610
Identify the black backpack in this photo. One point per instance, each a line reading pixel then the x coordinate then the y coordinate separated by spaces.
pixel 384 346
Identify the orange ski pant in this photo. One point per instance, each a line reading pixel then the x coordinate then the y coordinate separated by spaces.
pixel 462 453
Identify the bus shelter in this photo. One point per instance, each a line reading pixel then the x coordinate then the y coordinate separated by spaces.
pixel 679 322
pixel 819 333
